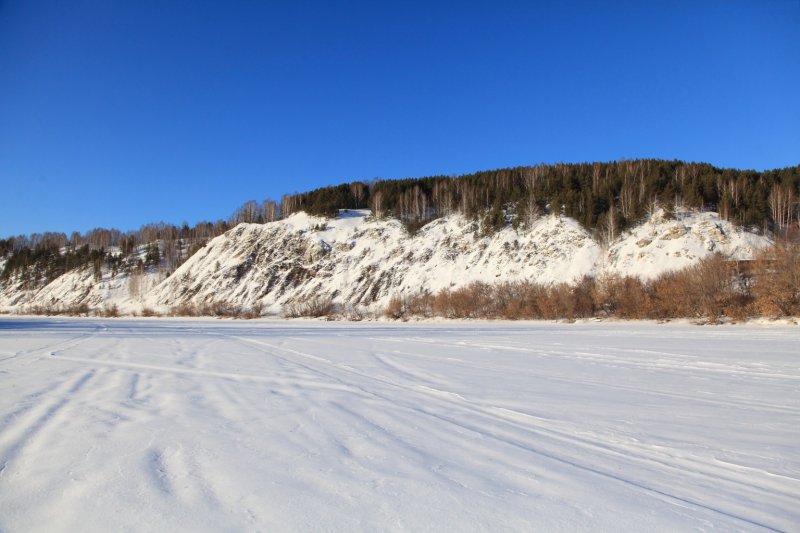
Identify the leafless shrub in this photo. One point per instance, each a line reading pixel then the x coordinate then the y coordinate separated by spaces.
pixel 472 301
pixel 81 309
pixel 705 290
pixel 354 313
pixel 396 308
pixel 254 311
pixel 184 309
pixel 420 305
pixel 624 297
pixel 565 301
pixel 315 307
pixel 109 311
pixel 776 283
pixel 511 302
pixel 582 305
pixel 219 309
pixel 39 310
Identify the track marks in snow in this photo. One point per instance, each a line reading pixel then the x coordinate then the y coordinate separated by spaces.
pixel 233 426
pixel 681 364
pixel 176 473
pixel 642 461
pixel 17 436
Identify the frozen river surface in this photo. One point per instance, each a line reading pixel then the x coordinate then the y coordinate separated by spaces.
pixel 208 425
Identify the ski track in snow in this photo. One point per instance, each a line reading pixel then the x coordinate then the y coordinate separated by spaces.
pixel 203 425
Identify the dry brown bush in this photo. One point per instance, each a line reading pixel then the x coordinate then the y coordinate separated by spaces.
pixel 712 286
pixel 39 310
pixel 81 309
pixel 463 302
pixel 451 304
pixel 710 289
pixel 355 313
pixel 221 310
pixel 255 311
pixel 556 302
pixel 396 308
pixel 513 301
pixel 473 301
pixel 184 309
pixel 776 281
pixel 109 311
pixel 215 309
pixel 670 298
pixel 482 296
pixel 582 301
pixel 78 309
pixel 624 297
pixel 319 306
pixel 420 305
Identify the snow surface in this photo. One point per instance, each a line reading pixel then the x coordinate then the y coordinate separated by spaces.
pixel 204 425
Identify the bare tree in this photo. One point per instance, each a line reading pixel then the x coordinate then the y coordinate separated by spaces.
pixel 359 191
pixel 610 225
pixel 289 204
pixel 781 203
pixel 271 211
pixel 377 204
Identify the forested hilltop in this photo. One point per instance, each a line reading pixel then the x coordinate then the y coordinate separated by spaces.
pixel 606 198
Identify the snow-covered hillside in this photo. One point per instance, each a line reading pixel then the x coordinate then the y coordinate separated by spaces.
pixel 80 286
pixel 357 260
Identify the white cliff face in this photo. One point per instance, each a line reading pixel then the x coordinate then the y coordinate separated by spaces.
pixel 357 260
pixel 665 244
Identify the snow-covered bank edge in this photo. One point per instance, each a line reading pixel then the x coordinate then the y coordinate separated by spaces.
pixel 380 321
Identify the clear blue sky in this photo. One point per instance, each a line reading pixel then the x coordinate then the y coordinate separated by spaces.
pixel 117 113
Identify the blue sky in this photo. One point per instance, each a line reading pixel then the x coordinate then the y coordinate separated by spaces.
pixel 114 114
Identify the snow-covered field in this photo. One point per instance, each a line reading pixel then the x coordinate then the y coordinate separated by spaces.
pixel 194 425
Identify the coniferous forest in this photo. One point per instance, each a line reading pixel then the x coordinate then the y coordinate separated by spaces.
pixel 604 197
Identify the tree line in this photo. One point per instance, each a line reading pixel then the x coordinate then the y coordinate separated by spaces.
pixel 40 258
pixel 605 197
